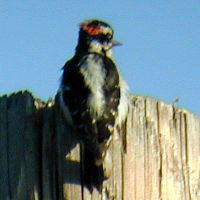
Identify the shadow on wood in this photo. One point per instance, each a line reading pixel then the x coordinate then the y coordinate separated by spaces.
pixel 40 154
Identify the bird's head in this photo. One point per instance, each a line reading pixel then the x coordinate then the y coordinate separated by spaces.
pixel 96 36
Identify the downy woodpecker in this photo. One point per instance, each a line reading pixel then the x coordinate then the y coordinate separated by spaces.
pixel 94 97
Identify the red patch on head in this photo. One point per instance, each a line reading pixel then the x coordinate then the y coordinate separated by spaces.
pixel 92 30
pixel 89 28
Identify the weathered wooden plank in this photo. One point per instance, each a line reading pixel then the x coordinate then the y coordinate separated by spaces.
pixel 68 160
pixel 193 155
pixel 167 189
pixel 16 157
pixel 183 143
pixel 134 175
pixel 172 183
pixel 129 162
pixel 152 167
pixel 117 175
pixel 48 154
pixel 177 164
pixel 4 176
pixel 32 148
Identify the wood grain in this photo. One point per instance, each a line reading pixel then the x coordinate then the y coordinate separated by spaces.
pixel 40 155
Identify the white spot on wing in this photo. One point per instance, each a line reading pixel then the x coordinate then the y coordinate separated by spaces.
pixel 67 88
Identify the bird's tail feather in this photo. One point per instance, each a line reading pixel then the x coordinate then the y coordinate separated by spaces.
pixel 93 175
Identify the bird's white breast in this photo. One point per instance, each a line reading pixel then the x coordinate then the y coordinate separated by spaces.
pixel 94 76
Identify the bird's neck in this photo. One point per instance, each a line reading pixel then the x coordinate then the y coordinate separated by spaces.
pixel 94 47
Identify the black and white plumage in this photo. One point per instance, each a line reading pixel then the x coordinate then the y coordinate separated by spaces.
pixel 93 95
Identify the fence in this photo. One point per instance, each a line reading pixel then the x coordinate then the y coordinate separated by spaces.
pixel 40 155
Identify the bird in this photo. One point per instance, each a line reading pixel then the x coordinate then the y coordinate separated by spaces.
pixel 94 97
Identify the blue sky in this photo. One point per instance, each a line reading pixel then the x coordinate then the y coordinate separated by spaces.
pixel 159 57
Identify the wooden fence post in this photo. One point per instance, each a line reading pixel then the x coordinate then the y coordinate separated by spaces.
pixel 40 155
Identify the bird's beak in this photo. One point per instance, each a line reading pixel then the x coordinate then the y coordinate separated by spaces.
pixel 116 43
